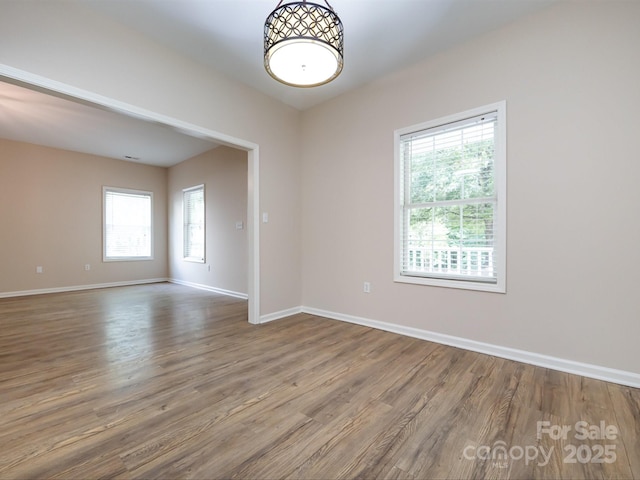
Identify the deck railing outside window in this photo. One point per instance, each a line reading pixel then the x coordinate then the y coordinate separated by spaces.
pixel 473 261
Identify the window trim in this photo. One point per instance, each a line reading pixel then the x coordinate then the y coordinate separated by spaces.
pixel 204 224
pixel 500 169
pixel 105 258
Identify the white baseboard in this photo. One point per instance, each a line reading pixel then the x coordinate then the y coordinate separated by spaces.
pixel 270 317
pixel 208 288
pixel 73 288
pixel 622 377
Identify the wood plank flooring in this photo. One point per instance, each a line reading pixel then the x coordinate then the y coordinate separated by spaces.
pixel 163 381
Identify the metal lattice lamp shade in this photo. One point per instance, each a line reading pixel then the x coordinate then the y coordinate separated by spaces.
pixel 303 44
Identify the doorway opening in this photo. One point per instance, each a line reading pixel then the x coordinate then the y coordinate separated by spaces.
pixel 51 87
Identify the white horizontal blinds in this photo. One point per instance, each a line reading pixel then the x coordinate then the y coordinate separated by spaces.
pixel 449 200
pixel 127 224
pixel 194 228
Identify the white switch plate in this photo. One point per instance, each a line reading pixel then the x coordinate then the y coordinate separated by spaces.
pixel 265 217
pixel 239 225
pixel 38 269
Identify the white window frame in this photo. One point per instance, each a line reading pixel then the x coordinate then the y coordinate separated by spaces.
pixel 186 257
pixel 500 220
pixel 105 258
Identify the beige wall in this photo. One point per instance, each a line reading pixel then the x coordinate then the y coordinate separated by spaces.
pixel 223 171
pixel 570 78
pixel 64 42
pixel 51 214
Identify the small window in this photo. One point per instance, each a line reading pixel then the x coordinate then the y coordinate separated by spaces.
pixel 451 201
pixel 127 225
pixel 194 227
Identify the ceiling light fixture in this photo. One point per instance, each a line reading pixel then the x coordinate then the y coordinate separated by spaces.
pixel 303 44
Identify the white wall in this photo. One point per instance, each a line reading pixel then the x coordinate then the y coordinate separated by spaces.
pixel 570 76
pixel 65 42
pixel 223 171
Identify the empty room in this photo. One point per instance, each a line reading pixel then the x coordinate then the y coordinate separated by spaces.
pixel 387 239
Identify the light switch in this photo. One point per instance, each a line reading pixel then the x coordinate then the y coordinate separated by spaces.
pixel 265 217
pixel 239 225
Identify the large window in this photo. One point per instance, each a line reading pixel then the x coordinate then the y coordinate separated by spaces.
pixel 127 225
pixel 450 201
pixel 194 228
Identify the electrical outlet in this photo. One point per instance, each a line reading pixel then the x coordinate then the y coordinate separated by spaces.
pixel 367 287
pixel 39 269
pixel 87 267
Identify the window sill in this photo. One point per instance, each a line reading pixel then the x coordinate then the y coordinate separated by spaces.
pixel 127 259
pixel 194 260
pixel 460 284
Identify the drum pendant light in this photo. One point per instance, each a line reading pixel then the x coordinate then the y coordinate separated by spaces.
pixel 303 44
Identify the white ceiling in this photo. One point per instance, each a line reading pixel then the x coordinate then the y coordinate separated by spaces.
pixel 33 117
pixel 381 36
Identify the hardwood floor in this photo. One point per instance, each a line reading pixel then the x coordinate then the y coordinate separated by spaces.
pixel 163 381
